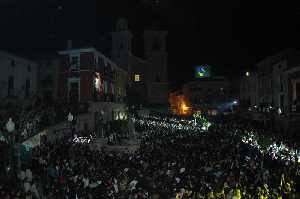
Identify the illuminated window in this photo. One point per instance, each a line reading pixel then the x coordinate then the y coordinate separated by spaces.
pixel 137 78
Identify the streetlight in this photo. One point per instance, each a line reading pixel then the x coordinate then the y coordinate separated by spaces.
pixel 10 125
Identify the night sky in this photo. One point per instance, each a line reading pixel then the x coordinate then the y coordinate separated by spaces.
pixel 231 36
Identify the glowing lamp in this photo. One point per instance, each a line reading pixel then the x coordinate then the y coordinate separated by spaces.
pixel 247 74
pixel 137 78
pixel 184 107
pixel 10 125
pixel 235 102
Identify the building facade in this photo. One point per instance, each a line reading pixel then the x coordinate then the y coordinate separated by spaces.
pixel 265 82
pixel 207 94
pixel 248 89
pixel 275 83
pixel 148 76
pixel 18 77
pixel 48 72
pixel 86 74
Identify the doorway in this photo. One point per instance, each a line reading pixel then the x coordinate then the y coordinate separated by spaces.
pixel 74 89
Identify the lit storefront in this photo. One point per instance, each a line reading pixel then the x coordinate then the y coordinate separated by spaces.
pixel 180 105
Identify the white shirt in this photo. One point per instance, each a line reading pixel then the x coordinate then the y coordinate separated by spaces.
pixel 93 185
pixel 22 175
pixel 28 175
pixel 27 186
pixel 116 188
pixel 86 182
pixel 34 191
pixel 132 184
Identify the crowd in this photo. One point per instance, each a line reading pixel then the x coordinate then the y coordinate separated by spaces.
pixel 262 130
pixel 31 119
pixel 26 186
pixel 234 165
pixel 177 158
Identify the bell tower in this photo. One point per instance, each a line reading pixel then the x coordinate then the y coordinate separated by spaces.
pixel 156 56
pixel 121 43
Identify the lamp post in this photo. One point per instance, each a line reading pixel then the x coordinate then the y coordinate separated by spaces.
pixel 70 120
pixel 10 127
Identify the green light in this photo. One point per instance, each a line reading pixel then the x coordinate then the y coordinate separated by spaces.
pixel 200 74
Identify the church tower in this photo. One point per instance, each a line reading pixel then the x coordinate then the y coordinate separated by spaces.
pixel 156 56
pixel 121 44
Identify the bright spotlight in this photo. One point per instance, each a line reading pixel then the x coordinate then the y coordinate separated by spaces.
pixel 184 107
pixel 235 102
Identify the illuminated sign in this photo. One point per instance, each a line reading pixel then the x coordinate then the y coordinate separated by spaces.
pixel 202 71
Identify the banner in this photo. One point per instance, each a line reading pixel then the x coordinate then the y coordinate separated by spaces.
pixel 35 140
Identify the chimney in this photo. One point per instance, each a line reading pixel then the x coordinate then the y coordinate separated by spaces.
pixel 69 44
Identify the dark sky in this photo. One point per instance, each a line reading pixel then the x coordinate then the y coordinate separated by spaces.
pixel 231 36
